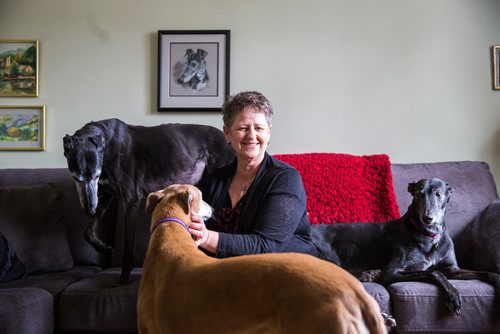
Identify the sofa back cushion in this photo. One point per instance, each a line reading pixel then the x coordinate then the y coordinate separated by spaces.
pixel 74 218
pixel 30 218
pixel 474 189
pixel 485 234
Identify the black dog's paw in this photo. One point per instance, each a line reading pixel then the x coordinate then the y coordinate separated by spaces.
pixel 454 301
pixel 495 279
pixel 389 320
pixel 369 275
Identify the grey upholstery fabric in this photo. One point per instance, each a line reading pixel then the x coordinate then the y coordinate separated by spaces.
pixel 85 299
pixel 54 283
pixel 26 311
pixel 97 303
pixel 421 307
pixel 34 213
pixel 380 294
pixel 485 235
pixel 73 215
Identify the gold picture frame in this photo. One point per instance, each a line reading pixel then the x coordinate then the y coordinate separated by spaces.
pixel 495 50
pixel 22 128
pixel 19 67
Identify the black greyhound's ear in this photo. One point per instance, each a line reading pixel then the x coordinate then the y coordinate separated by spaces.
pixel 98 141
pixel 152 200
pixel 449 191
pixel 185 201
pixel 412 187
pixel 68 144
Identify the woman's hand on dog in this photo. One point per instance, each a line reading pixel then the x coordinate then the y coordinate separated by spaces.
pixel 202 236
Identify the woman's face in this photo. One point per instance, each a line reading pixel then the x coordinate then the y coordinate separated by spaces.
pixel 249 135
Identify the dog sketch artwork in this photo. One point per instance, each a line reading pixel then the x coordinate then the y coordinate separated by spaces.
pixel 194 75
pixel 193 69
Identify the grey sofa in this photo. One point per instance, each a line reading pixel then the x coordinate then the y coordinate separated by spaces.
pixel 69 288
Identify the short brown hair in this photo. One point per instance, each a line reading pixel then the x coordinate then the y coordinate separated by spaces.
pixel 239 102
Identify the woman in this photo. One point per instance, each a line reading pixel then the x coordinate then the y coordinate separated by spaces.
pixel 259 202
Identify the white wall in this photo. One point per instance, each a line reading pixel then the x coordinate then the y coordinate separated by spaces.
pixel 408 78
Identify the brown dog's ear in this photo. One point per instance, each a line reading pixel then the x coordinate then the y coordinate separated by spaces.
pixel 152 200
pixel 185 200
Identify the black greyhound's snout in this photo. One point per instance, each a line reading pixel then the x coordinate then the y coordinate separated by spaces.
pixel 427 219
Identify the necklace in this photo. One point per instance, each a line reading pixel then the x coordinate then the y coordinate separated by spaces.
pixel 244 190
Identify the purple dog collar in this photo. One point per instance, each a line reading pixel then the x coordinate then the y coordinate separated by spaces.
pixel 169 219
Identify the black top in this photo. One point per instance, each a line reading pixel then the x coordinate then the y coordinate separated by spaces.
pixel 272 213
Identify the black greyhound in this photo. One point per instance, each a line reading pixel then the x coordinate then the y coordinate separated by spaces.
pixel 416 247
pixel 129 162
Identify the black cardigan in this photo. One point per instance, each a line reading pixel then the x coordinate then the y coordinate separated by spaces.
pixel 273 216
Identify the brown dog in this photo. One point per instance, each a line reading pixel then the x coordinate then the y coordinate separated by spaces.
pixel 185 291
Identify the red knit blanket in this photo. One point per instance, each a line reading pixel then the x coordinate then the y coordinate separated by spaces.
pixel 346 188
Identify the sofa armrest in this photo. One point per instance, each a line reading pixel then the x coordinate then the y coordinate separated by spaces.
pixel 485 235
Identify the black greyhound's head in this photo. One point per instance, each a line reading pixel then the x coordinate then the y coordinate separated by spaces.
pixel 84 154
pixel 430 197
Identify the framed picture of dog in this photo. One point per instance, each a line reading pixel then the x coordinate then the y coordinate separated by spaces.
pixel 19 68
pixel 495 50
pixel 193 69
pixel 22 128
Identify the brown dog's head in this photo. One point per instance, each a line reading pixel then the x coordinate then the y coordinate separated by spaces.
pixel 178 201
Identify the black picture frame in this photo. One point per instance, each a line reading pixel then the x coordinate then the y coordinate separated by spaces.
pixel 193 69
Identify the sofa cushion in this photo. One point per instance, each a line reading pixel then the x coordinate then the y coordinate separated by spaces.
pixel 380 294
pixel 26 310
pixel 10 265
pixel 74 218
pixel 30 218
pixel 346 188
pixel 54 283
pixel 421 307
pixel 485 233
pixel 98 304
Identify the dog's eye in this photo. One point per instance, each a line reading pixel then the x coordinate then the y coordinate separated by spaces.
pixel 438 195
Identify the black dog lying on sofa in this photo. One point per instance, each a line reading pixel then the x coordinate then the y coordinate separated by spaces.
pixel 129 162
pixel 416 247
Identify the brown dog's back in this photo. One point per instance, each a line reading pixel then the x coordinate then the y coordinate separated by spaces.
pixel 185 291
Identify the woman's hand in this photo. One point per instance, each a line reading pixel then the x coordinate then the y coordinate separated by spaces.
pixel 203 237
pixel 198 230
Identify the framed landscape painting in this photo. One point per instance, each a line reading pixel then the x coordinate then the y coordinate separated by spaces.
pixel 19 68
pixel 193 69
pixel 22 128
